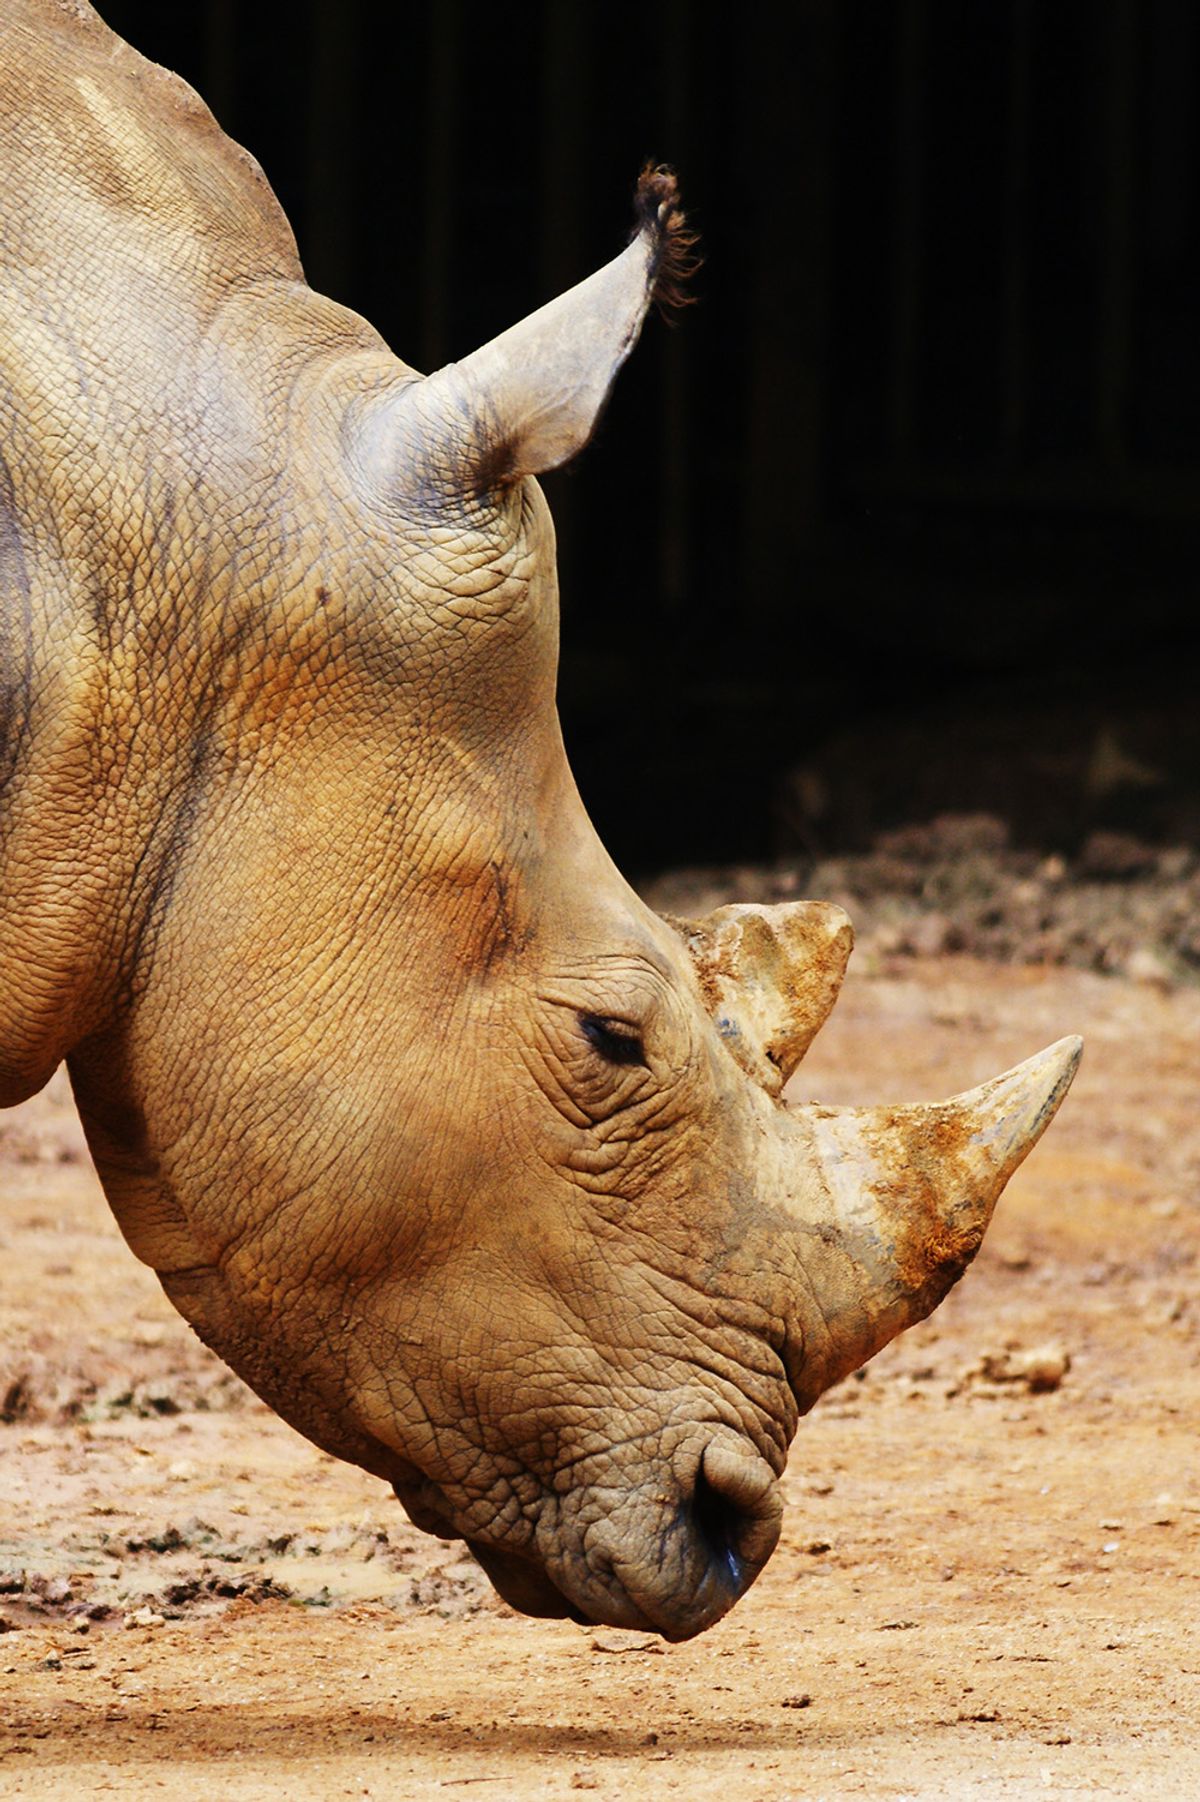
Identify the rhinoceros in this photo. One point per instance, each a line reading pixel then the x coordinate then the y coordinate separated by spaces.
pixel 478 1171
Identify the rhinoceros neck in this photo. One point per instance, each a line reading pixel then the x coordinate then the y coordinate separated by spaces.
pixel 148 539
pixel 156 330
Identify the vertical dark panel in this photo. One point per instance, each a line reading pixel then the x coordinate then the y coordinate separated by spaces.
pixel 952 261
pixel 1165 381
pixel 1117 151
pixel 1016 232
pixel 862 250
pixel 959 303
pixel 387 208
pixel 673 530
pixel 566 38
pixel 911 75
pixel 1062 271
pixel 786 278
pixel 331 141
pixel 441 147
pixel 220 59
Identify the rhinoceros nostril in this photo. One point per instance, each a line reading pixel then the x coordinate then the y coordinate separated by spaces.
pixel 735 1511
pixel 718 1521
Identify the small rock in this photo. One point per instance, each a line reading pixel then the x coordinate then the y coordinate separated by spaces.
pixel 158 1398
pixel 887 939
pixel 144 1617
pixel 1041 1369
pixel 1174 863
pixel 627 1645
pixel 54 1590
pixel 928 936
pixel 1146 966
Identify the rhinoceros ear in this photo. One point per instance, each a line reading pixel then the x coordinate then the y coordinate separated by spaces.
pixel 770 976
pixel 529 400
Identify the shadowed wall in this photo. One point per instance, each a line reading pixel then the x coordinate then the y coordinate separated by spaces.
pixel 904 515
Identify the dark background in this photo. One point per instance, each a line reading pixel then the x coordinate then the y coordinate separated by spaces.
pixel 904 516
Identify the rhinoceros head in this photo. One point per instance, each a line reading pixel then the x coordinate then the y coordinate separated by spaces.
pixel 479 1171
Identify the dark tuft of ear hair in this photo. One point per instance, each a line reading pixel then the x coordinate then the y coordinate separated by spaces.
pixel 656 204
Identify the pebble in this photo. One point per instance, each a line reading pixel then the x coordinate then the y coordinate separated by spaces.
pixel 144 1617
pixel 928 936
pixel 1041 1368
pixel 1146 966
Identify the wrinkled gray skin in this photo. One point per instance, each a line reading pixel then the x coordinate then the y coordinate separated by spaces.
pixel 474 1168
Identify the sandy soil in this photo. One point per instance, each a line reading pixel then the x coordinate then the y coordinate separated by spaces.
pixel 985 1589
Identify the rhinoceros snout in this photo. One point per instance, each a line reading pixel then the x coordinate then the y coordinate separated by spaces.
pixel 672 1559
pixel 670 1554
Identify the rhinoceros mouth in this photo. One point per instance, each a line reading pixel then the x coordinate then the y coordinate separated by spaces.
pixel 672 1573
pixel 619 1598
pixel 518 1581
pixel 525 1586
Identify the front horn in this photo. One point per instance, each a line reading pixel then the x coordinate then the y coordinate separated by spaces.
pixel 893 1202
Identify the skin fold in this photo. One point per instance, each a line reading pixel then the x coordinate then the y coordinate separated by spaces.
pixel 473 1167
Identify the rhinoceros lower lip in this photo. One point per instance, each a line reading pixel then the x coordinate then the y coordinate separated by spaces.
pixel 516 1580
pixel 523 1586
pixel 620 1602
pixel 425 1507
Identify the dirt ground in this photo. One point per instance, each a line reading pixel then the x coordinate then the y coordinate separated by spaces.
pixel 986 1588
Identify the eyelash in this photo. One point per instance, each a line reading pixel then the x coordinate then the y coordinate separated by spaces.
pixel 617 1044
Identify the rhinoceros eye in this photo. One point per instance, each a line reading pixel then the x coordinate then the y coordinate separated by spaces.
pixel 616 1042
